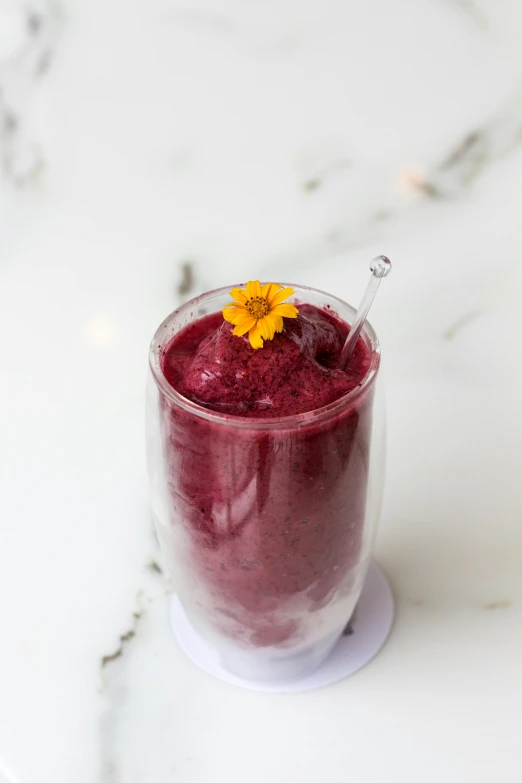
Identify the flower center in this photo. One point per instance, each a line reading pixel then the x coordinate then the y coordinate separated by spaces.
pixel 257 306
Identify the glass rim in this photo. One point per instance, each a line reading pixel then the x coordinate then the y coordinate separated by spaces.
pixel 260 422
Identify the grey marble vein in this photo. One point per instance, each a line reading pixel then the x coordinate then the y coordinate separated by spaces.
pixel 22 160
pixel 474 12
pixel 115 690
pixel 481 147
pixel 453 330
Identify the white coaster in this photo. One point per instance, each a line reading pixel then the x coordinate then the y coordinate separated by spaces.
pixel 369 630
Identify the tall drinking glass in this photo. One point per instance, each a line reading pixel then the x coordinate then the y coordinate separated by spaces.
pixel 266 524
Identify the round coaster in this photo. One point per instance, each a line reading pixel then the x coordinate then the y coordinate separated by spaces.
pixel 363 639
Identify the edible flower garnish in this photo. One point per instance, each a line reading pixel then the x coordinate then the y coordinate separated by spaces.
pixel 259 310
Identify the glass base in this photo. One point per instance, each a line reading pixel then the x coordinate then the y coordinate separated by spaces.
pixel 326 663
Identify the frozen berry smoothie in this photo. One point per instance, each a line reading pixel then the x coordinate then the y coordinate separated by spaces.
pixel 266 471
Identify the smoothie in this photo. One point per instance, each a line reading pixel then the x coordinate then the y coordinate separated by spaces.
pixel 266 513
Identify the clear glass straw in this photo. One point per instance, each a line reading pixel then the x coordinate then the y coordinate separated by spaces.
pixel 379 267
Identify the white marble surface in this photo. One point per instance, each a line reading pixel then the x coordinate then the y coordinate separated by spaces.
pixel 289 139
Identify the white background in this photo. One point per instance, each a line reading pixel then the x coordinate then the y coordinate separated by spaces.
pixel 289 140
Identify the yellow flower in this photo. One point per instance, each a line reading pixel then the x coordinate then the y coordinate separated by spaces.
pixel 259 311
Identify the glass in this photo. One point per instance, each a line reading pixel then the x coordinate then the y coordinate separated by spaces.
pixel 266 525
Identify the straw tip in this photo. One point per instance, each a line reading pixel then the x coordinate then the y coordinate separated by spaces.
pixel 380 266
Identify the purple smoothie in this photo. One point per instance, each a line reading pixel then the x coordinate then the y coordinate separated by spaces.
pixel 293 373
pixel 267 513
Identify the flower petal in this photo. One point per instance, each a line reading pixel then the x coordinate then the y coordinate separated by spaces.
pixel 266 328
pixel 273 322
pixel 278 321
pixel 239 294
pixel 244 327
pixel 253 288
pixel 286 310
pixel 254 335
pixel 276 297
pixel 235 313
pixel 269 289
